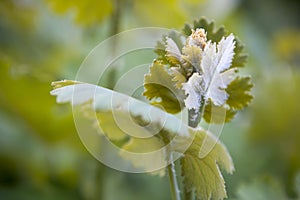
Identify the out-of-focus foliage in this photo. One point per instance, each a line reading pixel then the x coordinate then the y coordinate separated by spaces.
pixel 155 11
pixel 261 189
pixel 286 44
pixel 275 129
pixel 85 12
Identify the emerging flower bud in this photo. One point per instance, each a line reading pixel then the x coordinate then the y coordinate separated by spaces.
pixel 197 38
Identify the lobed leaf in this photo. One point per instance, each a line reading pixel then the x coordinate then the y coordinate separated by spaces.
pixel 202 174
pixel 239 93
pixel 178 76
pixel 240 58
pixel 160 87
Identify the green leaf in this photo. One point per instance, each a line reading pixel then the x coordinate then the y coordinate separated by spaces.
pixel 178 77
pixel 217 114
pixel 201 173
pixel 240 58
pixel 108 125
pixel 238 91
pixel 215 35
pixel 160 88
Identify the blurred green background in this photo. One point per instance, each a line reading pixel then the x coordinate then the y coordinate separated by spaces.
pixel 41 156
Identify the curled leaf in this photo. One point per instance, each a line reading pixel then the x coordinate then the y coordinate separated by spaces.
pixel 197 170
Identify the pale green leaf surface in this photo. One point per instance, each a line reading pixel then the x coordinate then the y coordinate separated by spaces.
pixel 202 173
pixel 109 127
pixel 161 88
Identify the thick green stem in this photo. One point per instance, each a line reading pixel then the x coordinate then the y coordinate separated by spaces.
pixel 173 181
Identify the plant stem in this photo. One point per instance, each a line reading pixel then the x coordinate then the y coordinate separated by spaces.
pixel 194 118
pixel 114 29
pixel 173 181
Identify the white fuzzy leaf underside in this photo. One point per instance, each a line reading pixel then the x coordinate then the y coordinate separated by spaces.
pixel 216 60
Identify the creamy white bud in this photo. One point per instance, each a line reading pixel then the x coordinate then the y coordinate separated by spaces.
pixel 197 38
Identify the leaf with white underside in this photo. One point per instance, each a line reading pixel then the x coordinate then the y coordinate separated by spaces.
pixel 201 173
pixel 215 64
pixel 160 48
pixel 239 97
pixel 173 53
pixel 194 88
